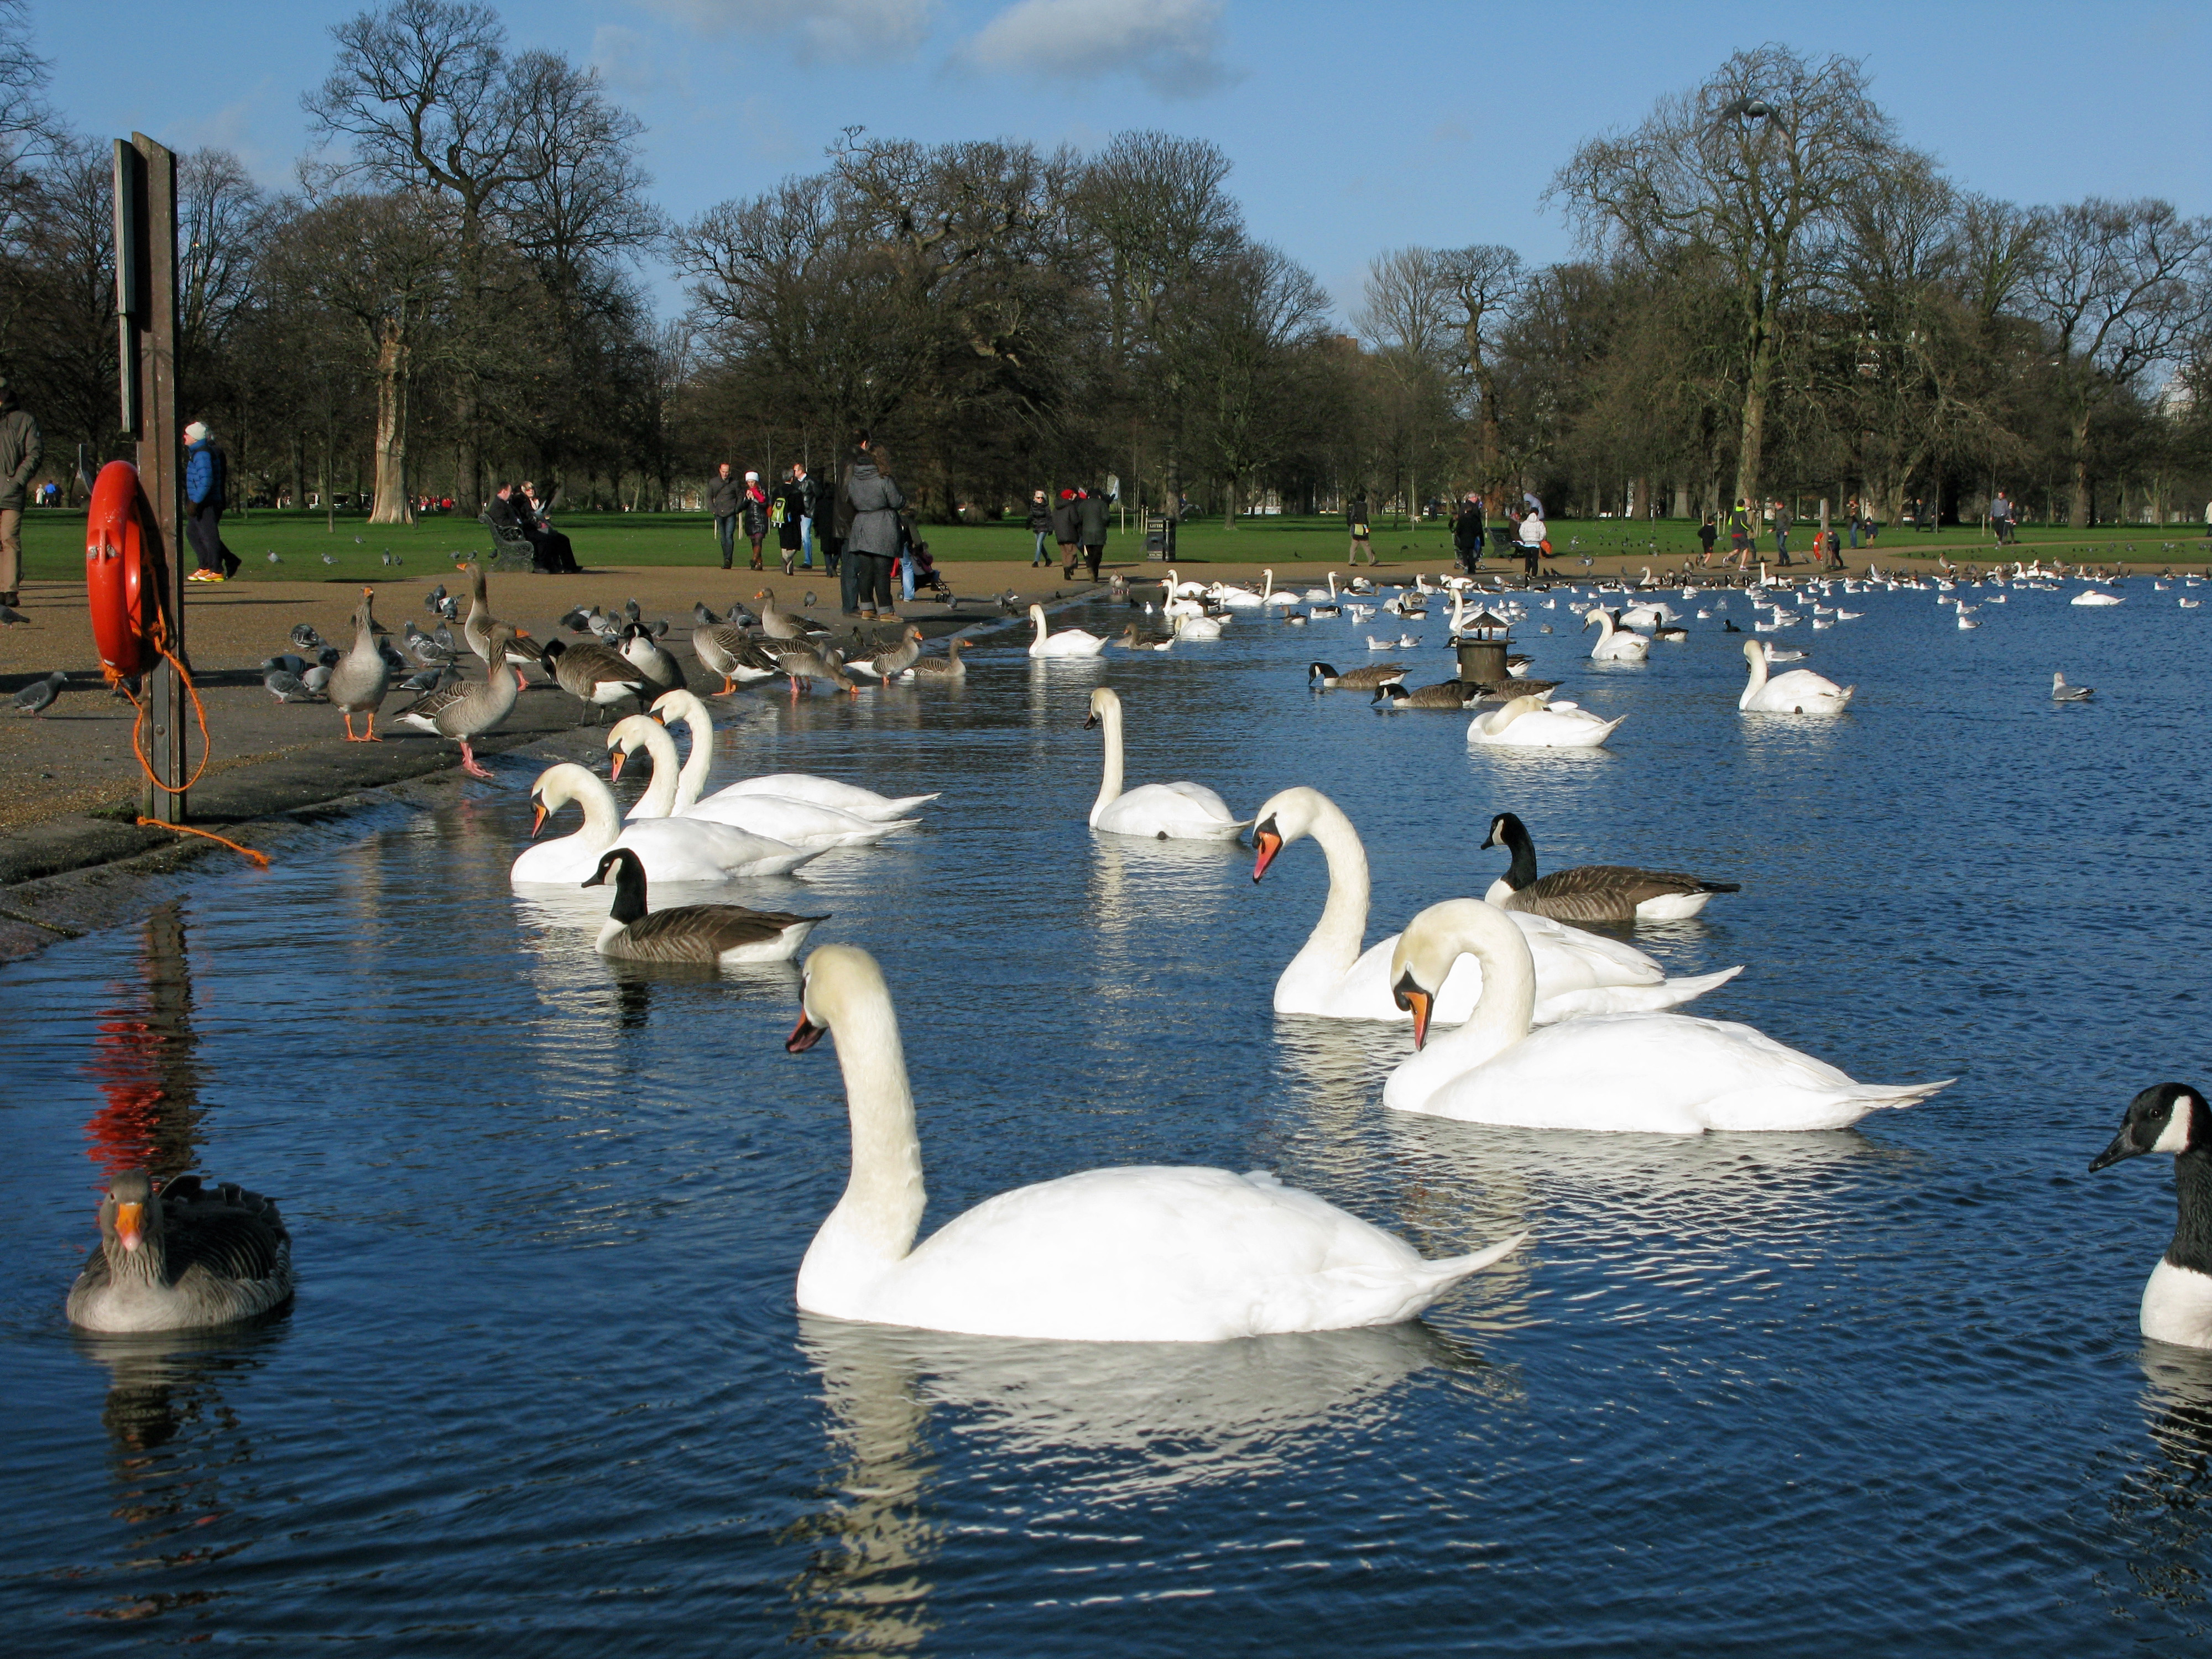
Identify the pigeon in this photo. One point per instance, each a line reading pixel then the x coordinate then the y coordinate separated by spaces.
pixel 317 680
pixel 703 616
pixel 39 696
pixel 273 559
pixel 11 617
pixel 444 636
pixel 286 664
pixel 450 608
pixel 579 621
pixel 327 559
pixel 286 688
pixel 630 610
pixel 435 597
pixel 357 542
pixel 304 638
pixel 429 680
pixel 807 603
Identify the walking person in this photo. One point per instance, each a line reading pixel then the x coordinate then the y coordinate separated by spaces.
pixel 1040 524
pixel 1355 520
pixel 726 498
pixel 1468 533
pixel 752 508
pixel 22 449
pixel 1707 535
pixel 207 482
pixel 875 536
pixel 785 513
pixel 1739 530
pixel 2001 518
pixel 806 495
pixel 1090 528
pixel 1852 521
pixel 1529 539
pixel 1064 531
pixel 1782 523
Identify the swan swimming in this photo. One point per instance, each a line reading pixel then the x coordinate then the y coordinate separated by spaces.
pixel 1167 811
pixel 1800 692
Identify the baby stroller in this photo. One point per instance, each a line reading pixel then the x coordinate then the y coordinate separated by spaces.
pixel 926 577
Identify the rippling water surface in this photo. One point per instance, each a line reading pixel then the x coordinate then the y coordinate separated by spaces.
pixel 544 1390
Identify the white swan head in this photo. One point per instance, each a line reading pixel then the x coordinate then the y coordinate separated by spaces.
pixel 1286 815
pixel 1104 700
pixel 1512 710
pixel 557 786
pixel 634 732
pixel 679 705
pixel 1438 938
pixel 837 977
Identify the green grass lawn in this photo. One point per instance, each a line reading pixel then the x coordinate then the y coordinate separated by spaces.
pixel 53 543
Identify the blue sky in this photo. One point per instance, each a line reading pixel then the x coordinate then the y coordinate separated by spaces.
pixel 1353 128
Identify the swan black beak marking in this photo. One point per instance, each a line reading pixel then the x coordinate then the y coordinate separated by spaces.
pixel 803 1036
pixel 2121 1148
pixel 1267 842
pixel 537 820
pixel 1416 1001
pixel 1089 722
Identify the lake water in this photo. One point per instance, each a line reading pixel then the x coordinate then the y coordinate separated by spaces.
pixel 544 1390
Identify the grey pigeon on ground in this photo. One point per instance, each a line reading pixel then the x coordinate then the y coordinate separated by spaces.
pixel 317 680
pixel 631 610
pixel 273 559
pixel 437 597
pixel 304 638
pixel 286 687
pixel 10 617
pixel 327 559
pixel 39 696
pixel 286 664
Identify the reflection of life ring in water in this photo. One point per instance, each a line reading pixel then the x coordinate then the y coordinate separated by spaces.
pixel 118 531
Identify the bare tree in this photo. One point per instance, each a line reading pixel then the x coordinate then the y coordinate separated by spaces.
pixel 1753 166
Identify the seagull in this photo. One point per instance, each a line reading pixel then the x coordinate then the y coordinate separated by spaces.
pixel 2062 692
pixel 39 695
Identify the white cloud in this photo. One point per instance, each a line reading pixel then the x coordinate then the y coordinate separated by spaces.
pixel 624 59
pixel 1173 46
pixel 818 28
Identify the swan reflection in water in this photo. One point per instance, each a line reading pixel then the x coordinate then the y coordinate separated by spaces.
pixel 1122 1422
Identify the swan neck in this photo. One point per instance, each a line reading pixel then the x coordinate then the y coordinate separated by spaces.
pixel 1110 781
pixel 1337 937
pixel 691 782
pixel 602 812
pixel 658 801
pixel 1503 1013
pixel 875 1222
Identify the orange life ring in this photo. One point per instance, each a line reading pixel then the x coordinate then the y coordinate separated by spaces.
pixel 119 528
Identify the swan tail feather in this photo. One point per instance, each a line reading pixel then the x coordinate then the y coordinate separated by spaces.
pixel 1877 1095
pixel 1452 1268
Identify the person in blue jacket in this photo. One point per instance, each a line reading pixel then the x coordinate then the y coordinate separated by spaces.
pixel 207 482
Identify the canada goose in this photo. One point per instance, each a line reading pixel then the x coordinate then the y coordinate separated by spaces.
pixel 2062 692
pixel 707 935
pixel 1360 679
pixel 592 673
pixel 1451 694
pixel 1592 892
pixel 2171 1117
pixel 650 658
pixel 179 1257
pixel 360 680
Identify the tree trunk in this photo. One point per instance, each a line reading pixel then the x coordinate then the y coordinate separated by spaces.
pixel 2078 514
pixel 392 505
pixel 1753 431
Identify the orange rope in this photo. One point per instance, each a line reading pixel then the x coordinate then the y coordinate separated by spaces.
pixel 137 748
pixel 260 859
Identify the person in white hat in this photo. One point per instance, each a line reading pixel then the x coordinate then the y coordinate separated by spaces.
pixel 755 515
pixel 207 482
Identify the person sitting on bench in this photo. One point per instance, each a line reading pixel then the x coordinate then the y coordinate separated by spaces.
pixel 510 514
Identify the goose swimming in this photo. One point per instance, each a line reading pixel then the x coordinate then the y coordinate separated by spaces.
pixel 2171 1117
pixel 1592 892
pixel 180 1255
pixel 704 935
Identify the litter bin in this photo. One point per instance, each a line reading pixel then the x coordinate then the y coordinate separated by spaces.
pixel 1159 535
pixel 1482 650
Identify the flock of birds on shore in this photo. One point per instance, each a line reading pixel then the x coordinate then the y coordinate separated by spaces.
pixel 1554 1026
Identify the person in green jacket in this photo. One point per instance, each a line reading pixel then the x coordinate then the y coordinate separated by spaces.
pixel 22 449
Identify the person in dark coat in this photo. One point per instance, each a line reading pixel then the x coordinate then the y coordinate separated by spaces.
pixel 806 495
pixel 1040 524
pixel 21 448
pixel 1355 520
pixel 790 517
pixel 726 500
pixel 207 483
pixel 1090 528
pixel 1468 533
pixel 1065 531
pixel 549 550
pixel 874 540
pixel 753 507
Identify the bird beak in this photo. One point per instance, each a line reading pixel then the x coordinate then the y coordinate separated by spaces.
pixel 2122 1147
pixel 538 819
pixel 1090 721
pixel 1416 1001
pixel 614 770
pixel 130 1225
pixel 803 1036
pixel 1267 842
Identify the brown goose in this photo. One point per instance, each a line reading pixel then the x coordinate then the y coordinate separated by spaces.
pixel 946 667
pixel 779 623
pixel 359 679
pixel 883 665
pixel 1360 679
pixel 467 709
pixel 593 673
pixel 1593 892
pixel 477 629
pixel 1131 640
pixel 728 650
pixel 806 664
pixel 707 935
pixel 179 1257
pixel 1451 694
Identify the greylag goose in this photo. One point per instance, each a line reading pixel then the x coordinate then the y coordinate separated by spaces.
pixel 593 673
pixel 1131 640
pixel 806 664
pixel 361 679
pixel 477 629
pixel 707 935
pixel 1451 694
pixel 466 710
pixel 779 625
pixel 1593 892
pixel 883 665
pixel 181 1257
pixel 1360 679
pixel 651 659
pixel 946 667
pixel 728 650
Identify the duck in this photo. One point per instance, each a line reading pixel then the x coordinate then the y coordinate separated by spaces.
pixel 1592 892
pixel 1532 722
pixel 595 675
pixel 180 1255
pixel 673 849
pixel 1649 1074
pixel 2062 692
pixel 360 680
pixel 793 823
pixel 1447 694
pixel 1166 811
pixel 1800 692
pixel 703 935
pixel 1068 643
pixel 1576 972
pixel 791 786
pixel 467 709
pixel 2171 1117
pixel 939 670
pixel 1139 1254
pixel 1612 645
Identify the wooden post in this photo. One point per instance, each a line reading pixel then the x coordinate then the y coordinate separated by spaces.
pixel 146 297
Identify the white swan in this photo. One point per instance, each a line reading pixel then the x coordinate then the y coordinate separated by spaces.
pixel 1178 588
pixel 1576 972
pixel 1068 643
pixel 672 849
pixel 793 823
pixel 791 786
pixel 1649 1073
pixel 1269 596
pixel 1237 599
pixel 1135 1255
pixel 1531 723
pixel 1800 692
pixel 2096 599
pixel 1323 595
pixel 1198 628
pixel 1169 811
pixel 1612 645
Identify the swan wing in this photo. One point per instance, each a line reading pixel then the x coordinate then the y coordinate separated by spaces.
pixel 1163 809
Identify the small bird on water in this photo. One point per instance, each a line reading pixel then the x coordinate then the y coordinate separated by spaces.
pixel 2062 692
pixel 39 695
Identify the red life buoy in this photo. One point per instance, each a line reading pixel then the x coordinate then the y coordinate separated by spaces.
pixel 119 528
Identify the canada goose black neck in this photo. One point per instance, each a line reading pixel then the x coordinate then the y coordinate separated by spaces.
pixel 1507 831
pixel 629 872
pixel 2173 1118
pixel 2192 1193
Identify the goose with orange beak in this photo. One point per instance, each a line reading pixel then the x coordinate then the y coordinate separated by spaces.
pixel 181 1255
